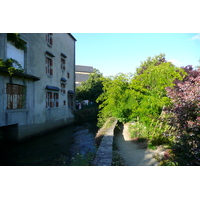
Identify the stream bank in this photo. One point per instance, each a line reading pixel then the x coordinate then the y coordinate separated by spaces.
pixel 55 148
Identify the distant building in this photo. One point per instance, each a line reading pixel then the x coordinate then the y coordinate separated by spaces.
pixel 42 98
pixel 82 73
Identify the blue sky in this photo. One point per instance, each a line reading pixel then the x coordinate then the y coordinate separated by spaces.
pixel 113 53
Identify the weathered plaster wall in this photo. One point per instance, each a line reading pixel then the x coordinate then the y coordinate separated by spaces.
pixel 36 117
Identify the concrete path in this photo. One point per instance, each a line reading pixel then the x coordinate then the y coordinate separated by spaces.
pixel 131 152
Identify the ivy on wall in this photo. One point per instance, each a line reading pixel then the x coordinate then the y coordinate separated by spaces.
pixel 8 64
pixel 14 38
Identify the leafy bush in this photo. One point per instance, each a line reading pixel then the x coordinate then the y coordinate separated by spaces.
pixel 157 133
pixel 186 118
pixel 86 114
pixel 143 95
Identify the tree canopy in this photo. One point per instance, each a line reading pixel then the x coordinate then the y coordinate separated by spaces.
pixel 143 95
pixel 92 88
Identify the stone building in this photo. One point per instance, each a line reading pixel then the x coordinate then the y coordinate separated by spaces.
pixel 82 73
pixel 40 98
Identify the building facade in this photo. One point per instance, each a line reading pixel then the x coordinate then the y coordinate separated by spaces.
pixel 82 73
pixel 40 98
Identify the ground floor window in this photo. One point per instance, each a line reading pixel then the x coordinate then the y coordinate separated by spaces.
pixel 52 99
pixel 16 96
pixel 70 100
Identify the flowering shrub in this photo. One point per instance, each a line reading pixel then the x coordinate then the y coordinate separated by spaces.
pixel 186 118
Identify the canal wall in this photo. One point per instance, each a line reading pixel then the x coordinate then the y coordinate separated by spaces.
pixel 104 153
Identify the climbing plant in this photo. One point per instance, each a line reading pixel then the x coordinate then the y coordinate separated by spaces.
pixel 15 39
pixel 9 66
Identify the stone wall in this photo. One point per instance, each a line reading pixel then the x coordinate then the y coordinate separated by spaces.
pixel 104 152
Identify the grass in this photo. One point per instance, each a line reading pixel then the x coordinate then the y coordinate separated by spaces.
pixel 157 133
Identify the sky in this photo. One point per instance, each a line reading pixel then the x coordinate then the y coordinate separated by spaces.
pixel 113 53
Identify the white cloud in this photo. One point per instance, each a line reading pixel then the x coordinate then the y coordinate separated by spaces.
pixel 196 37
pixel 175 62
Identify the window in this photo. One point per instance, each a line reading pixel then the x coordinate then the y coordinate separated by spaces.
pixel 63 88
pixel 63 64
pixel 16 54
pixel 55 100
pixel 68 75
pixel 63 61
pixel 63 83
pixel 49 38
pixel 49 66
pixel 48 99
pixel 15 96
pixel 70 99
pixel 52 99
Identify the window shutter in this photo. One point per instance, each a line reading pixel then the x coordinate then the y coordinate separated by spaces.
pixel 51 71
pixel 51 38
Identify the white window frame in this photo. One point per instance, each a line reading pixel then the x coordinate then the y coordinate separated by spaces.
pixel 63 65
pixel 51 99
pixel 48 65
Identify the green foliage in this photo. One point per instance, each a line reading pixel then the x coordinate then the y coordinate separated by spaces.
pixel 16 41
pixel 157 133
pixel 151 84
pixel 143 95
pixel 82 160
pixel 92 88
pixel 115 96
pixel 166 159
pixel 155 61
pixel 8 64
pixel 86 114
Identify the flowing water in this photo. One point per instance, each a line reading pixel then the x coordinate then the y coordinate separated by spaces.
pixel 52 149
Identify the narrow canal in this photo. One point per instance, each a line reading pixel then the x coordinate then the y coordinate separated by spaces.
pixel 55 148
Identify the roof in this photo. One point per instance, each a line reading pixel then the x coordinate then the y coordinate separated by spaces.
pixel 49 87
pixel 83 68
pixel 72 36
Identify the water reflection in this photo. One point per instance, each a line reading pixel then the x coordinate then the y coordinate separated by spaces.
pixel 49 149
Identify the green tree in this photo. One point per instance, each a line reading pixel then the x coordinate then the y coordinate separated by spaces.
pixel 143 95
pixel 115 97
pixel 152 83
pixel 92 88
